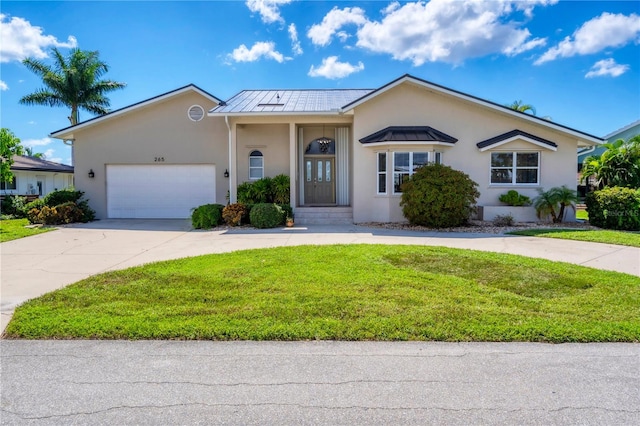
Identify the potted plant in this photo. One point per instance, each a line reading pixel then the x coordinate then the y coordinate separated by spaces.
pixel 289 222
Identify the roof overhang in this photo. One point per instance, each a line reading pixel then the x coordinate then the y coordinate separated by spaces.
pixel 516 135
pixel 67 132
pixel 584 139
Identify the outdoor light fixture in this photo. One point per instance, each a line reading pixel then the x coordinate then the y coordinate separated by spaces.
pixel 91 174
pixel 226 173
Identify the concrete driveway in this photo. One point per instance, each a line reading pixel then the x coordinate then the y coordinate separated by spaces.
pixel 39 264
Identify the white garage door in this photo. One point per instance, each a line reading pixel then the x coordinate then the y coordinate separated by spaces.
pixel 159 191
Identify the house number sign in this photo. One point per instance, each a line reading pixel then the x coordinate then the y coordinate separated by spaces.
pixel 158 159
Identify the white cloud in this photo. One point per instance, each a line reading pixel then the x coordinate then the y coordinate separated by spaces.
pixel 607 67
pixel 295 43
pixel 3 86
pixel 321 34
pixel 269 10
pixel 332 69
pixel 37 142
pixel 595 35
pixel 261 49
pixel 449 30
pixel 22 40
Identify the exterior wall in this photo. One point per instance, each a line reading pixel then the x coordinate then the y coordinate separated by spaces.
pixel 27 182
pixel 158 133
pixel 270 139
pixel 407 105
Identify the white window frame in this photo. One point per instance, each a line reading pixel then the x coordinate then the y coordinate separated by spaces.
pixel 253 155
pixel 432 157
pixel 514 168
pixel 10 186
pixel 380 173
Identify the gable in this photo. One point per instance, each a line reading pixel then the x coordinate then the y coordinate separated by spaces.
pixel 514 136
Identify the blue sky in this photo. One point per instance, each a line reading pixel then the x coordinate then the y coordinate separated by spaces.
pixel 577 62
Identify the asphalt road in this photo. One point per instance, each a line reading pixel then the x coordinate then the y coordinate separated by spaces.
pixel 296 383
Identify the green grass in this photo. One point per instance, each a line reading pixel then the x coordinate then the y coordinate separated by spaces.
pixel 623 238
pixel 12 229
pixel 344 292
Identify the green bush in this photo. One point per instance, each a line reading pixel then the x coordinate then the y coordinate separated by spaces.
pixel 207 216
pixel 514 198
pixel 62 196
pixel 614 208
pixel 266 190
pixel 63 206
pixel 438 196
pixel 14 205
pixel 267 215
pixel 235 214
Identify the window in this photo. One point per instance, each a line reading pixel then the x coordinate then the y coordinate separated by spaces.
pixel 382 173
pixel 515 168
pixel 406 163
pixel 9 185
pixel 256 165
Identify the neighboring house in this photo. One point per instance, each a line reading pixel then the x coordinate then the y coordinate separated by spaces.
pixel 625 133
pixel 347 151
pixel 36 177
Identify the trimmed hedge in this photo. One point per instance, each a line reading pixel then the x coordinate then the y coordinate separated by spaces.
pixel 207 216
pixel 614 208
pixel 60 207
pixel 235 214
pixel 267 215
pixel 438 196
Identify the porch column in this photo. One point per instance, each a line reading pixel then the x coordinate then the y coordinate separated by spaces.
pixel 233 173
pixel 293 158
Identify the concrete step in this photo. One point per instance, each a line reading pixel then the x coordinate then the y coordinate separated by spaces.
pixel 323 216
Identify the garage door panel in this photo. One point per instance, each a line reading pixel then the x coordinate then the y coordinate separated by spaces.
pixel 158 191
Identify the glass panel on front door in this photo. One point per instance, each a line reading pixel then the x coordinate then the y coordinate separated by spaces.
pixel 319 185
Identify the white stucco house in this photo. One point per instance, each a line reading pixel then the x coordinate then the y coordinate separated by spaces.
pixel 36 177
pixel 346 150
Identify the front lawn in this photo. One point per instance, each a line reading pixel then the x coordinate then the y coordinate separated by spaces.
pixel 12 229
pixel 345 292
pixel 623 238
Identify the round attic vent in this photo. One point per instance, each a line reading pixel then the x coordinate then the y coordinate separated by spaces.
pixel 196 113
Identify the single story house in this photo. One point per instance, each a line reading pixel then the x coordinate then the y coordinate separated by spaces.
pixel 347 151
pixel 625 133
pixel 35 177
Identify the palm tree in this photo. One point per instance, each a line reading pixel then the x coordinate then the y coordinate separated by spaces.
pixel 73 82
pixel 554 202
pixel 28 150
pixel 619 165
pixel 522 107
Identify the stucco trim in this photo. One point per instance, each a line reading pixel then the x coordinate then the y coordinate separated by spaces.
pixel 514 135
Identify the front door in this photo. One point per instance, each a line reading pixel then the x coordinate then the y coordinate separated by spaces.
pixel 319 181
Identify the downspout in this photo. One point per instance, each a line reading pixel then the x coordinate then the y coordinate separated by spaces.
pixel 69 142
pixel 232 171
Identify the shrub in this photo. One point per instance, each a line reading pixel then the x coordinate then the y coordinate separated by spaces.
pixel 438 196
pixel 281 189
pixel 614 208
pixel 62 196
pixel 266 190
pixel 267 215
pixel 514 198
pixel 68 212
pixel 234 214
pixel 503 220
pixel 207 216
pixel 68 206
pixel 14 205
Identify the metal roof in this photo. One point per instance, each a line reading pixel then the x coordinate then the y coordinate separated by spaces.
pixel 513 134
pixel 408 134
pixel 289 101
pixel 26 163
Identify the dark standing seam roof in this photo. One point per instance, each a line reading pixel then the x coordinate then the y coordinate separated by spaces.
pixel 26 163
pixel 408 134
pixel 511 134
